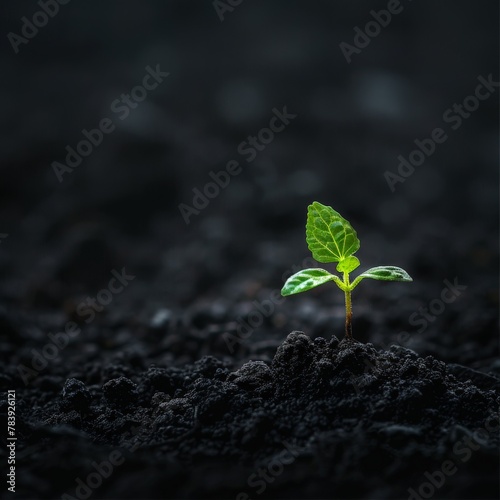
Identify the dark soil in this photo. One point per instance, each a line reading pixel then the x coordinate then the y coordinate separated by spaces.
pixel 188 383
pixel 356 421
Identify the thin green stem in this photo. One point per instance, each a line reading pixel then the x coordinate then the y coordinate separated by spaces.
pixel 356 281
pixel 338 282
pixel 348 307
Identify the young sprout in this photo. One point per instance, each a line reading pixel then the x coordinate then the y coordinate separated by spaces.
pixel 331 238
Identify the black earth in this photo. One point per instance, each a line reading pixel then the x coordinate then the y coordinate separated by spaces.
pixel 148 354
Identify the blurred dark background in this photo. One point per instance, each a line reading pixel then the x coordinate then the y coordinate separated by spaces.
pixel 120 206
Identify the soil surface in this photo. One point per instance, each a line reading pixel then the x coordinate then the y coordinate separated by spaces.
pixel 356 421
pixel 151 358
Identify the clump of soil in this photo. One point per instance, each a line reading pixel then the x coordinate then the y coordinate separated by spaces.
pixel 324 419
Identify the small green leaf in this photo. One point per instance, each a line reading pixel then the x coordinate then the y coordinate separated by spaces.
pixel 384 273
pixel 329 236
pixel 348 264
pixel 305 280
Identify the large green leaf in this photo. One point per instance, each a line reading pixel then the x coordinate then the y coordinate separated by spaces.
pixel 384 273
pixel 329 236
pixel 305 280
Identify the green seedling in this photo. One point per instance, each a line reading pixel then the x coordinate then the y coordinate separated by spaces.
pixel 331 238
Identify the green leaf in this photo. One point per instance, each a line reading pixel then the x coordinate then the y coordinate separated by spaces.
pixel 305 280
pixel 384 273
pixel 329 236
pixel 348 264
